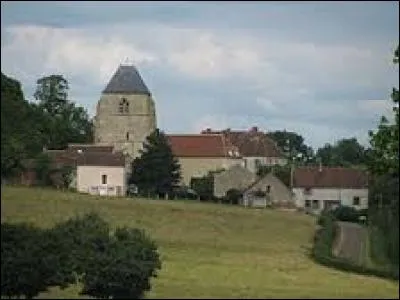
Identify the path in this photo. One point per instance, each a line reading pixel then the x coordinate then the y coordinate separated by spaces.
pixel 351 242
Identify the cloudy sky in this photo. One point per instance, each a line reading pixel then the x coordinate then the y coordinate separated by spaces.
pixel 321 69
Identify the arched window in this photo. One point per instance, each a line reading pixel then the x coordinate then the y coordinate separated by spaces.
pixel 124 106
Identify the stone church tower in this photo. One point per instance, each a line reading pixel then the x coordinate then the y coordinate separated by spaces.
pixel 125 114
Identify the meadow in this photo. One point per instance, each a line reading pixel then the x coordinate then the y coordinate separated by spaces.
pixel 207 250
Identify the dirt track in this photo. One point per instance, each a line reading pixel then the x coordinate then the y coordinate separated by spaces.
pixel 351 241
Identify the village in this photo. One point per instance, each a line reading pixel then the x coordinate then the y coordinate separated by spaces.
pixel 126 116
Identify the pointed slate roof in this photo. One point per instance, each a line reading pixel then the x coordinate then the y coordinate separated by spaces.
pixel 126 80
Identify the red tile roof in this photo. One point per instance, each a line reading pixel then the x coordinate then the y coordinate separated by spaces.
pixel 252 143
pixel 201 145
pixel 327 177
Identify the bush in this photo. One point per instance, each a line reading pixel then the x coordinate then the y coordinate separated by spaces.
pixel 27 268
pixel 233 196
pixel 346 214
pixel 322 251
pixel 123 268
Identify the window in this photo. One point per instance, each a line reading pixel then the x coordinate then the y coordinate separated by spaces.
pixel 307 204
pixel 315 204
pixel 268 189
pixel 124 106
pixel 356 200
pixel 103 179
pixel 127 136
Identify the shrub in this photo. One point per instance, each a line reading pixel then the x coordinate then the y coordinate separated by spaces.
pixel 346 214
pixel 81 236
pixel 233 196
pixel 27 268
pixel 123 268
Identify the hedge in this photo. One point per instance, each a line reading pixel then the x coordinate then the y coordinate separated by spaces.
pixel 322 251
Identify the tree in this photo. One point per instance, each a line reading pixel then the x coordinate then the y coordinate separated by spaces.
pixel 345 153
pixel 292 144
pixel 157 170
pixel 123 267
pixel 20 133
pixel 26 267
pixel 384 156
pixel 280 172
pixel 65 122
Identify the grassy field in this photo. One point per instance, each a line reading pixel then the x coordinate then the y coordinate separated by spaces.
pixel 208 250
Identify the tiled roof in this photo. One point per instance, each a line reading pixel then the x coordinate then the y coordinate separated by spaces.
pixel 251 143
pixel 327 177
pixel 116 159
pixel 126 80
pixel 201 145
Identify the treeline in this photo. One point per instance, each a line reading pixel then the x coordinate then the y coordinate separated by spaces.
pixel 51 121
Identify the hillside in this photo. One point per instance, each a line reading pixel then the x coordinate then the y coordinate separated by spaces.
pixel 208 250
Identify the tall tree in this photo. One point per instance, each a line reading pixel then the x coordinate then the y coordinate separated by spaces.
pixel 384 156
pixel 157 170
pixel 64 121
pixel 345 152
pixel 292 144
pixel 21 135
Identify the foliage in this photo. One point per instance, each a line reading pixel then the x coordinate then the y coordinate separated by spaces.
pixel 34 259
pixel 67 173
pixel 26 266
pixel 157 170
pixel 204 186
pixel 346 214
pixel 20 133
pixel 345 153
pixel 322 251
pixel 43 169
pixel 65 122
pixel 27 127
pixel 384 158
pixel 233 196
pixel 293 145
pixel 82 236
pixel 123 267
pixel 280 172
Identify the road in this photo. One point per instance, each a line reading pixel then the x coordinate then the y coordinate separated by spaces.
pixel 351 241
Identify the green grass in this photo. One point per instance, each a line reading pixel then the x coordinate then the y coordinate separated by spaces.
pixel 208 250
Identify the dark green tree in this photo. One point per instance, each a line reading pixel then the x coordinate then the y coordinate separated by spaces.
pixel 384 156
pixel 20 128
pixel 157 170
pixel 345 153
pixel 122 269
pixel 293 145
pixel 64 121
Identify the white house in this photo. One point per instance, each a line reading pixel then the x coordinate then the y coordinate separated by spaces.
pixel 101 173
pixel 317 188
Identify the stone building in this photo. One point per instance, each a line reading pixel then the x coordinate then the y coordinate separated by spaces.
pixel 125 113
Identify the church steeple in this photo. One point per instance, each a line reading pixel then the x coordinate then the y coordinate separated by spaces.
pixel 126 80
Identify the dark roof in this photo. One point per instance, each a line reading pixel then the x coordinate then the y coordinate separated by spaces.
pixel 251 143
pixel 101 159
pixel 201 145
pixel 327 177
pixel 126 80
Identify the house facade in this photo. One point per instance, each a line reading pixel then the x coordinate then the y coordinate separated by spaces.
pixel 255 147
pixel 199 154
pixel 319 188
pixel 268 190
pixel 236 177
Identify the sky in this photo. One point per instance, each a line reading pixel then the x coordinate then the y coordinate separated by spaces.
pixel 321 69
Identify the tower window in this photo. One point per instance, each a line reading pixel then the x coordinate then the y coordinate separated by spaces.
pixel 124 106
pixel 127 136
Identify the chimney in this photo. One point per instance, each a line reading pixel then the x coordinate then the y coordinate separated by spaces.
pixel 254 129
